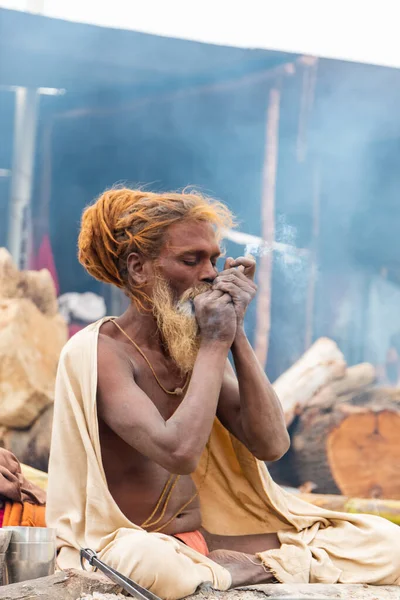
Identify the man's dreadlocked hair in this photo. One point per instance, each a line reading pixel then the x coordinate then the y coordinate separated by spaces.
pixel 122 221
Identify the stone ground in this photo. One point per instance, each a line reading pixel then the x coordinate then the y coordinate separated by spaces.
pixel 80 585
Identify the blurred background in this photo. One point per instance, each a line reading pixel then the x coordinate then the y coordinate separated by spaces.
pixel 289 114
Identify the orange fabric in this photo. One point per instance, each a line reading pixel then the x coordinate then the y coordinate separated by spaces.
pixel 17 514
pixel 195 540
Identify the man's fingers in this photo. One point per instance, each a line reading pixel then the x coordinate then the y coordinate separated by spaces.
pixel 247 264
pixel 232 289
pixel 232 274
pixel 238 273
pixel 224 285
pixel 226 298
pixel 246 261
pixel 208 296
pixel 242 283
pixel 228 263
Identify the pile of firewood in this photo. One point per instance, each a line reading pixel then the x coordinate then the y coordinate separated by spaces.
pixel 343 427
pixel 32 334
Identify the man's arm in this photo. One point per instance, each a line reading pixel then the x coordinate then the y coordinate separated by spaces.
pixel 248 405
pixel 176 443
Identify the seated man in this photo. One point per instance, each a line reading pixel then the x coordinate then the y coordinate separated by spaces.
pixel 158 447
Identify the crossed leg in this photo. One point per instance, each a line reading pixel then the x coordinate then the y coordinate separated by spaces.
pixel 237 555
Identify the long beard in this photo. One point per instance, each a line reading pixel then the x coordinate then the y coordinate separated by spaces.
pixel 177 323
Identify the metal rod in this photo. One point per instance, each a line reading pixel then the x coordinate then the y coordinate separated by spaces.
pixel 127 584
pixel 26 106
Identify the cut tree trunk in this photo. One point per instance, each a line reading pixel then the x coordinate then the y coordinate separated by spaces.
pixel 356 378
pixel 31 446
pixel 320 365
pixel 351 446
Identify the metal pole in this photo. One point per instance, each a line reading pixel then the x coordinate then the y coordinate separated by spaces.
pixel 26 108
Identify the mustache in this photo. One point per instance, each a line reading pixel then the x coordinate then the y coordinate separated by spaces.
pixel 194 291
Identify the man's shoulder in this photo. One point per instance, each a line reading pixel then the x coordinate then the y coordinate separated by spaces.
pixel 83 340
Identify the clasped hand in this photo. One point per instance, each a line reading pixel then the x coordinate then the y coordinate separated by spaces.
pixel 231 293
pixel 237 280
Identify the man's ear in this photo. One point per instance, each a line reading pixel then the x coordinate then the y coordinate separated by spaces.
pixel 137 270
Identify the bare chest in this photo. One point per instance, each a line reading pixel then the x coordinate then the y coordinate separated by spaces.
pixel 162 386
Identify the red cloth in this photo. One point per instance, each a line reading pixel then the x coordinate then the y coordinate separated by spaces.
pixel 2 516
pixel 73 328
pixel 195 540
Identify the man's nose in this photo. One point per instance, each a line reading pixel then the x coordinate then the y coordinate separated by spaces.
pixel 208 273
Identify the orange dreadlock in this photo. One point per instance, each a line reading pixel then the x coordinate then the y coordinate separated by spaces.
pixel 122 221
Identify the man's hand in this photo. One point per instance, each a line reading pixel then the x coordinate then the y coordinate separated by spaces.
pixel 215 314
pixel 237 280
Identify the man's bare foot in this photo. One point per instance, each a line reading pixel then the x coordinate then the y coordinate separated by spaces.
pixel 245 569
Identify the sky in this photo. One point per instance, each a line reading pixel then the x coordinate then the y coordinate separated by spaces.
pixel 362 31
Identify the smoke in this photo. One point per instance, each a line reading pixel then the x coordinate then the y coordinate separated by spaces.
pixel 286 254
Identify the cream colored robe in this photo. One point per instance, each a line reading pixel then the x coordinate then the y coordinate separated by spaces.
pixel 237 497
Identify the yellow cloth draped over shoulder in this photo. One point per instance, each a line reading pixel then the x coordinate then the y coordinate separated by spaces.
pixel 237 497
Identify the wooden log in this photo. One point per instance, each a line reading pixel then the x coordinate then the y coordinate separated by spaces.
pixel 64 585
pixel 388 509
pixel 320 365
pixel 350 447
pixel 31 446
pixel 356 377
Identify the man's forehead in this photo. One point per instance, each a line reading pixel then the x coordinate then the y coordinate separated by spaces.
pixel 194 247
pixel 192 238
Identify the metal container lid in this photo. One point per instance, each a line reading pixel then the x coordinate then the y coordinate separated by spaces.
pixel 31 534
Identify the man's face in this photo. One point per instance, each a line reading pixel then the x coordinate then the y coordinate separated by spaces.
pixel 189 256
pixel 186 267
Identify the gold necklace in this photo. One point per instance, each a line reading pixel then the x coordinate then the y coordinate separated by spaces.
pixel 179 390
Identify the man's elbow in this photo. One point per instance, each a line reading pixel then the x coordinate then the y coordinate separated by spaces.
pixel 183 463
pixel 272 453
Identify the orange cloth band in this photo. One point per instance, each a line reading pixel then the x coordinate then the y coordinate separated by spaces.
pixel 195 540
pixel 17 514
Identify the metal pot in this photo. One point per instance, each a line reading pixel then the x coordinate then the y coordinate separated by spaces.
pixel 31 554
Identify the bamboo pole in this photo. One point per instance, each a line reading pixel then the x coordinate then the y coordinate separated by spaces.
pixel 312 278
pixel 309 79
pixel 263 312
